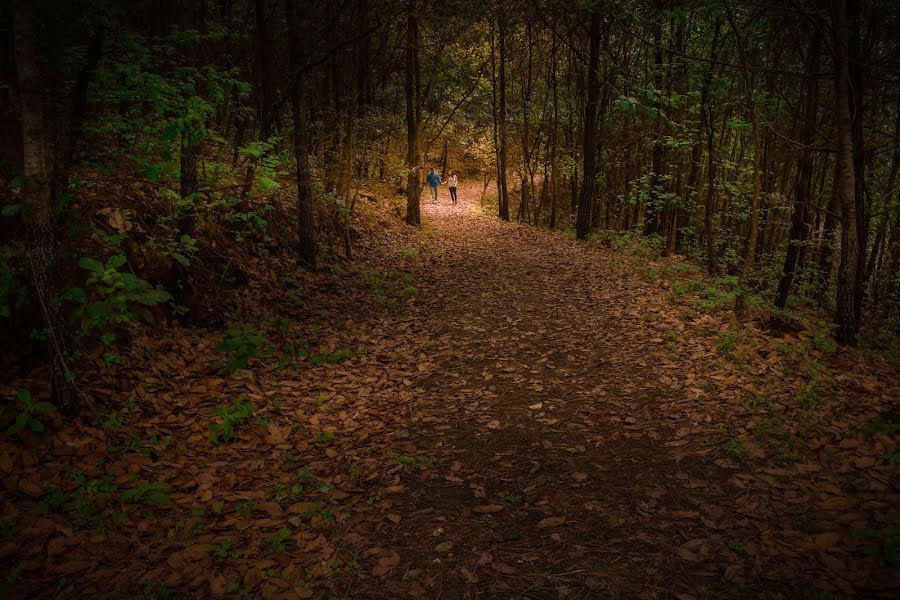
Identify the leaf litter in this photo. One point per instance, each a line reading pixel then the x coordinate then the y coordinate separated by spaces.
pixel 537 420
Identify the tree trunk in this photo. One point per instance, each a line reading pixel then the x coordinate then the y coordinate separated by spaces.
pixel 554 190
pixel 847 315
pixel 503 208
pixel 583 218
pixel 306 230
pixel 802 190
pixel 655 206
pixel 748 265
pixel 37 208
pixel 411 88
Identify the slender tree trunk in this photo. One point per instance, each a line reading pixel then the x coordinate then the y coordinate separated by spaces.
pixel 803 188
pixel 503 208
pixel 847 315
pixel 652 214
pixel 583 219
pixel 827 244
pixel 554 190
pixel 748 264
pixel 413 212
pixel 306 230
pixel 37 207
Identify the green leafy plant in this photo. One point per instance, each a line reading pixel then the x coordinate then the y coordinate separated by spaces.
pixel 279 541
pixel 155 590
pixel 223 549
pixel 13 287
pixel 884 544
pixel 736 449
pixel 28 413
pixel 327 357
pixel 231 415
pixel 324 437
pixel 245 509
pixel 9 527
pixel 114 297
pixel 90 502
pixel 243 343
pixel 147 493
pixel 413 461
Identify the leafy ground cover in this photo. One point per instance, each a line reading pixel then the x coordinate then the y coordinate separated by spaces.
pixel 479 409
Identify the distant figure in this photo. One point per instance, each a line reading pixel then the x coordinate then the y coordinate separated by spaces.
pixel 433 179
pixel 452 181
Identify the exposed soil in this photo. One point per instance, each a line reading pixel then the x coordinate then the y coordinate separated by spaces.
pixel 536 420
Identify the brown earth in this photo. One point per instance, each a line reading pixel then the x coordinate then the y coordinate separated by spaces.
pixel 536 419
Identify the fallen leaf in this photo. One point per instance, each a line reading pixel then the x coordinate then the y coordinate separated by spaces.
pixel 488 508
pixel 385 564
pixel 551 522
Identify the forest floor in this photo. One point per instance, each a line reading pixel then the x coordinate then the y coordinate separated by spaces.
pixel 488 410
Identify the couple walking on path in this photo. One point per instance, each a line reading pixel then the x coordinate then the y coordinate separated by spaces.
pixel 433 179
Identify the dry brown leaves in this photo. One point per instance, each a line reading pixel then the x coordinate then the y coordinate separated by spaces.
pixel 536 418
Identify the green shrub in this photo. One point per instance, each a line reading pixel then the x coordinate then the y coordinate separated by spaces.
pixel 113 297
pixel 231 416
pixel 243 343
pixel 27 414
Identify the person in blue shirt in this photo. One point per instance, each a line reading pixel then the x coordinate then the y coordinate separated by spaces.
pixel 433 179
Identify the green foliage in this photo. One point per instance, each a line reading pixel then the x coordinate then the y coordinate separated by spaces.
pixel 113 297
pixel 9 526
pixel 416 462
pixel 90 502
pixel 231 415
pixel 147 493
pixel 278 542
pixel 727 341
pixel 13 286
pixel 243 343
pixel 223 549
pixel 245 509
pixel 180 250
pixel 155 590
pixel 27 414
pixel 330 357
pixel 267 164
pixel 324 437
pixel 736 449
pixel 884 544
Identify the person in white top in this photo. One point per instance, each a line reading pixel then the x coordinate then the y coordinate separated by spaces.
pixel 451 182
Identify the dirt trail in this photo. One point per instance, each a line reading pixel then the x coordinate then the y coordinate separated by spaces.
pixel 534 420
pixel 557 469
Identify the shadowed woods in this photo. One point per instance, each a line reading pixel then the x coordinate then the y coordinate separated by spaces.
pixel 652 352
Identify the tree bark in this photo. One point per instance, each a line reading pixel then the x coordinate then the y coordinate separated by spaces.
pixel 37 208
pixel 655 206
pixel 797 235
pixel 306 229
pixel 503 203
pixel 411 88
pixel 847 315
pixel 748 264
pixel 583 217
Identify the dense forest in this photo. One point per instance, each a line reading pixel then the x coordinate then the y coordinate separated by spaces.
pixel 230 170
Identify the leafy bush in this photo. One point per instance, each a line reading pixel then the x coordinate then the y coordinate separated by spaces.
pixel 231 416
pixel 147 493
pixel 244 343
pixel 114 297
pixel 28 413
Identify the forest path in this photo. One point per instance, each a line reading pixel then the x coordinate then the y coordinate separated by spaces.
pixel 483 410
pixel 556 471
